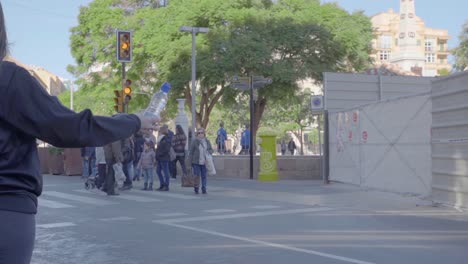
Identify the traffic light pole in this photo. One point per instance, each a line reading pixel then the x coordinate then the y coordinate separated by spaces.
pixel 124 105
pixel 251 143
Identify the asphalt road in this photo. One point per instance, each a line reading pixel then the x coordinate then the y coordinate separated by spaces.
pixel 242 221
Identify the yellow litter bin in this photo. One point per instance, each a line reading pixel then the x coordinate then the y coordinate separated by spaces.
pixel 268 165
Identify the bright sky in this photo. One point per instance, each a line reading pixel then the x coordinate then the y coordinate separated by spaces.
pixel 38 30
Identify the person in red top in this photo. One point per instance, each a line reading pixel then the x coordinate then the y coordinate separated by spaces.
pixel 28 113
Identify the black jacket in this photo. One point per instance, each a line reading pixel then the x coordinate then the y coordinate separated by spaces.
pixel 162 152
pixel 27 113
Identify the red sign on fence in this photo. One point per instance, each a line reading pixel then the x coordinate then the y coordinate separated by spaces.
pixel 364 136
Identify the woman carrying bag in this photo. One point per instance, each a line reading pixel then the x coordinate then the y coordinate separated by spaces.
pixel 200 150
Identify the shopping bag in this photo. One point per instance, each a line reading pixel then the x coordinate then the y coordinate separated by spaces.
pixel 190 179
pixel 210 168
pixel 119 175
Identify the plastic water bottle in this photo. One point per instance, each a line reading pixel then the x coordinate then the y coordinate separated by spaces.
pixel 158 102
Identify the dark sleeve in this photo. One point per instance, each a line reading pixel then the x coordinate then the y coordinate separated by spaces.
pixel 30 109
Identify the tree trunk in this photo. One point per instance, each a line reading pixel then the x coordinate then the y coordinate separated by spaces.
pixel 208 99
pixel 302 141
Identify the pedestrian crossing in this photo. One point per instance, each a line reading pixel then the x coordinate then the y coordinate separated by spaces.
pixel 75 198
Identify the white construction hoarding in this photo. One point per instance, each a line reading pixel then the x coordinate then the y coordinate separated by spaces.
pixel 383 145
pixel 346 90
pixel 450 140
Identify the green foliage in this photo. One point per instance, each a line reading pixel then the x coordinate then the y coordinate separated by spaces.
pixel 461 52
pixel 289 40
pixel 443 72
pixel 56 151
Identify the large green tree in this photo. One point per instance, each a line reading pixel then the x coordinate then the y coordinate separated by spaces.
pixel 288 40
pixel 461 52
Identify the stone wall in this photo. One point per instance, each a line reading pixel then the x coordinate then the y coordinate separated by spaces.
pixel 289 167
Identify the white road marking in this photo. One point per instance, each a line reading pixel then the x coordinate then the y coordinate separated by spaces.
pixel 137 198
pixel 219 211
pixel 78 198
pixel 119 218
pixel 56 225
pixel 124 195
pixel 170 214
pixel 171 195
pixel 265 207
pixel 52 204
pixel 268 244
pixel 241 215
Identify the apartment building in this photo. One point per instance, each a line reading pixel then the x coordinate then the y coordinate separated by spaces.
pixel 403 39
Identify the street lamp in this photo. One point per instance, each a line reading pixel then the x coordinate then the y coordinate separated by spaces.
pixel 194 31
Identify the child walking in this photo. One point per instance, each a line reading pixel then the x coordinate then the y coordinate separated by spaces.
pixel 146 163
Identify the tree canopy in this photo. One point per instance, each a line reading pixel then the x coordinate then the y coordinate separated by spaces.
pixel 461 52
pixel 288 40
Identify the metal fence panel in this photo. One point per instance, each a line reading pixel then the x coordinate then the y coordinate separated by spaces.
pixel 384 145
pixel 450 140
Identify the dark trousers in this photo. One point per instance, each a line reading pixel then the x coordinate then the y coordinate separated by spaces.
pixel 181 160
pixel 110 180
pixel 128 177
pixel 102 174
pixel 17 234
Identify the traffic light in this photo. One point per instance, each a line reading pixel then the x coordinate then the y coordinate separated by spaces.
pixel 127 91
pixel 118 99
pixel 124 46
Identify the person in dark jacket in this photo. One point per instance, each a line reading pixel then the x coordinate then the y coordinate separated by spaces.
pixel 163 158
pixel 139 147
pixel 27 113
pixel 179 142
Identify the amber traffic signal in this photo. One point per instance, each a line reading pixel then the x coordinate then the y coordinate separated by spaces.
pixel 124 46
pixel 127 91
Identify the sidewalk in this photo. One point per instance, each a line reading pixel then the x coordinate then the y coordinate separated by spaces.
pixel 339 196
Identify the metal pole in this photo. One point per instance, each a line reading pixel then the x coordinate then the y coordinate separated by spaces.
pixel 319 135
pixel 194 124
pixel 326 148
pixel 251 126
pixel 322 169
pixel 124 106
pixel 71 96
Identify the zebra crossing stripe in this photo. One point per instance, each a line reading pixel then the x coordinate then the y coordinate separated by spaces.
pixel 124 196
pixel 77 198
pixel 53 204
pixel 219 211
pixel 265 207
pixel 170 195
pixel 56 225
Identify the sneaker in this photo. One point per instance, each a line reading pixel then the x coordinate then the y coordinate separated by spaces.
pixel 165 189
pixel 203 190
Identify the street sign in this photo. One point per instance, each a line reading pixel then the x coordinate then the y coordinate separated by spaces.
pixel 237 79
pixel 316 103
pixel 241 83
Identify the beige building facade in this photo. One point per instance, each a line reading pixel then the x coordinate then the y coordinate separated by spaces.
pixel 403 39
pixel 51 82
